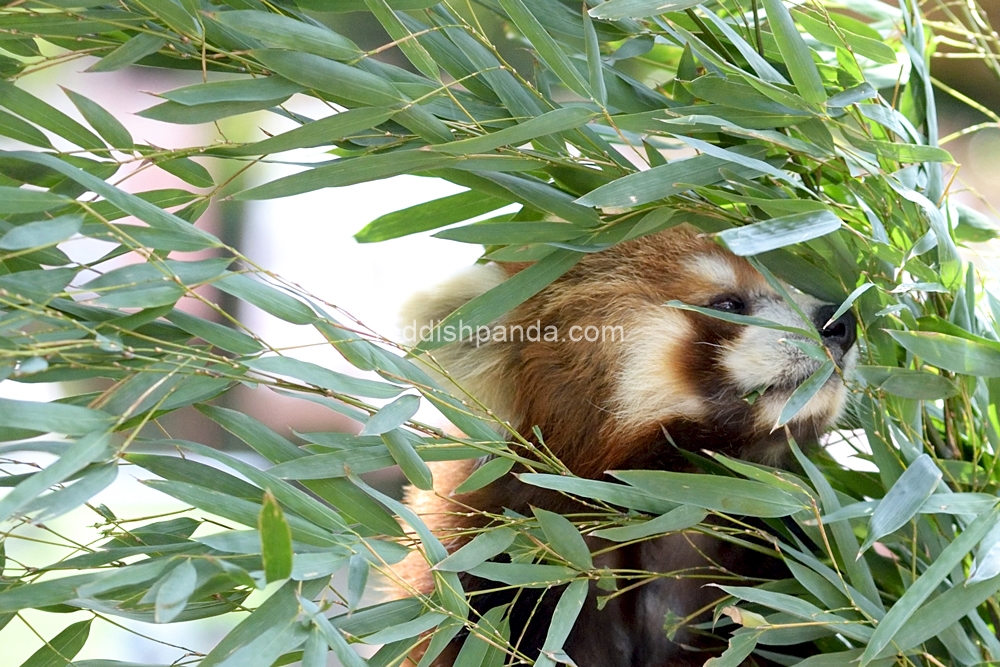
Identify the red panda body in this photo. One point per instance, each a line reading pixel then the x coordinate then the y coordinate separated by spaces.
pixel 653 379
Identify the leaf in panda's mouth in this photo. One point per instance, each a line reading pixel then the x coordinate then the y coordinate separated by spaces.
pixel 804 393
pixel 752 396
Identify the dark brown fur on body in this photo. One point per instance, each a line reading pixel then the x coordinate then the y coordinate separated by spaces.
pixel 677 377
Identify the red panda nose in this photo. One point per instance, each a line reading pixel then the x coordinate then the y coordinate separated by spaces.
pixel 839 335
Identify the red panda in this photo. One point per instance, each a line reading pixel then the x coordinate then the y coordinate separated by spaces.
pixel 655 379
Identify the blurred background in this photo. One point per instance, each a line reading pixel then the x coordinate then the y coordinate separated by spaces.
pixel 308 240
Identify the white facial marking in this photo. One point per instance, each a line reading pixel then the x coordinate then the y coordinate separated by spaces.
pixel 715 269
pixel 648 387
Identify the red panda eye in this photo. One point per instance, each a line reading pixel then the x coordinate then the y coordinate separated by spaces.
pixel 729 304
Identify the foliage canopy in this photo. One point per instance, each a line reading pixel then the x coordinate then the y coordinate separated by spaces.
pixel 804 136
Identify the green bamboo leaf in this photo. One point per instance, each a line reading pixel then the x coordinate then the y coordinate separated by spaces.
pixel 352 502
pixel 637 9
pixel 110 129
pixel 27 105
pixel 290 497
pixel 174 14
pixel 238 90
pixel 741 645
pixel 951 353
pixel 315 651
pixel 901 152
pixel 420 624
pixel 557 120
pixel 779 232
pixel 174 590
pixel 325 378
pixel 288 33
pixel 39 285
pixel 15 128
pixel 939 614
pixel 275 540
pixel 480 648
pixel 188 171
pixel 61 649
pixel 267 298
pixel 524 575
pixel 128 203
pixel 908 383
pixel 738 496
pixel 484 475
pixel 675 520
pixel 42 233
pixel 484 546
pixel 322 132
pixel 392 416
pixel 896 619
pixel 349 171
pixel 805 392
pixel 802 609
pixel 93 480
pixel 762 68
pixel 877 50
pixel 334 639
pixel 268 632
pixel 563 618
pixel 535 194
pixel 130 52
pixel 904 499
pixel 330 76
pixel 794 53
pixel 616 494
pixel 404 39
pixel 357 579
pixel 90 448
pixel 52 417
pixel 400 446
pixel 667 180
pixel 514 291
pixel 746 320
pixel 358 460
pixel 241 510
pixel 219 335
pixel 23 200
pixel 595 68
pixel 546 47
pixel 429 215
pixel 563 537
pixel 183 114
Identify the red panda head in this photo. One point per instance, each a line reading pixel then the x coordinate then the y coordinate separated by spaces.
pixel 614 378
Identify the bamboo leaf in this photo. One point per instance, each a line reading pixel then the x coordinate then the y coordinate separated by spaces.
pixel 739 496
pixel 275 540
pixel 174 590
pixel 110 129
pixel 636 9
pixel 563 537
pixel 779 232
pixel 901 612
pixel 42 233
pixel 904 499
pixel 484 546
pixel 805 392
pixel 130 52
pixel 951 353
pixel 794 53
pixel 675 520
pixel 284 32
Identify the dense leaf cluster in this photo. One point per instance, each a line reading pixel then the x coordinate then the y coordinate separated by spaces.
pixel 804 136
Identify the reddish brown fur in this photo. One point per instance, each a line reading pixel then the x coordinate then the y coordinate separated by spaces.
pixel 566 389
